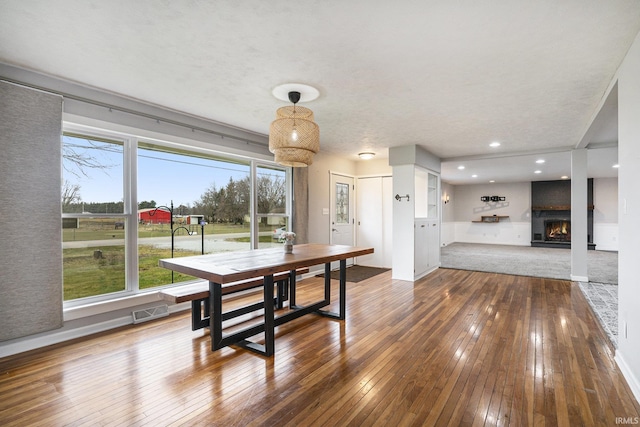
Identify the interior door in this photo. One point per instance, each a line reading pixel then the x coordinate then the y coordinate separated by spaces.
pixel 370 223
pixel 342 211
pixel 373 220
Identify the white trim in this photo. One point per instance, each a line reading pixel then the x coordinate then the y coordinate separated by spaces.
pixel 34 342
pixel 579 278
pixel 92 309
pixel 54 337
pixel 420 276
pixel 627 373
pixel 80 124
pixel 331 172
pixel 605 236
pixel 380 175
pixel 502 233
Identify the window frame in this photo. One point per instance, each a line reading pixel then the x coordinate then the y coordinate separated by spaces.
pixel 131 141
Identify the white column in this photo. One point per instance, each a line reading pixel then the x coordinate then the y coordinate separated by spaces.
pixel 579 215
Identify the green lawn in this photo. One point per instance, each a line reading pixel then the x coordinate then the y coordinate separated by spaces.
pixel 85 275
pixel 89 273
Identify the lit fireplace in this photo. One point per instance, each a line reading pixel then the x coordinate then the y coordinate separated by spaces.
pixel 557 230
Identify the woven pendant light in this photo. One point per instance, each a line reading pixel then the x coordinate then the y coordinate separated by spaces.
pixel 293 136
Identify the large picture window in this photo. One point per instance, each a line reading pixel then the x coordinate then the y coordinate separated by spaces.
pixel 122 213
pixel 273 217
pixel 93 220
pixel 209 198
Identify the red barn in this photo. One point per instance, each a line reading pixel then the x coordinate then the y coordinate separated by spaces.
pixel 148 216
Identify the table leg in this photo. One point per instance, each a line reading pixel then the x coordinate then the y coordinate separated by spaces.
pixel 215 315
pixel 343 288
pixel 341 315
pixel 269 325
pixel 327 282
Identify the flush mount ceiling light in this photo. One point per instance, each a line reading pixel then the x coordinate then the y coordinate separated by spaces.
pixel 366 155
pixel 293 136
pixel 494 144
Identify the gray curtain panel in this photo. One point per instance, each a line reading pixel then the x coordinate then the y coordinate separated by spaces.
pixel 31 243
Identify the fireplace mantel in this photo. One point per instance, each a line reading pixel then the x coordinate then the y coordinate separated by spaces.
pixel 556 208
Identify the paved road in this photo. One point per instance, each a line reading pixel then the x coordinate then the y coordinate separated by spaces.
pixel 212 242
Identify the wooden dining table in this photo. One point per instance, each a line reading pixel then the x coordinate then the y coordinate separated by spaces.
pixel 229 267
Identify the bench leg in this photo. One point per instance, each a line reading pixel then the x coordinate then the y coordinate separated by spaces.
pixel 197 319
pixel 283 293
pixel 292 289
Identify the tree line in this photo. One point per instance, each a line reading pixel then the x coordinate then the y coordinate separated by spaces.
pixel 228 204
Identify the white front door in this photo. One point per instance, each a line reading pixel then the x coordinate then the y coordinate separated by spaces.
pixel 342 211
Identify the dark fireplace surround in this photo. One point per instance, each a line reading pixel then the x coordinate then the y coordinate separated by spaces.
pixel 551 214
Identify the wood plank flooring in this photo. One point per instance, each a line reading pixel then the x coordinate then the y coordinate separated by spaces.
pixel 455 348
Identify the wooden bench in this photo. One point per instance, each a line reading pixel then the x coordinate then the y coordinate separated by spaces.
pixel 198 294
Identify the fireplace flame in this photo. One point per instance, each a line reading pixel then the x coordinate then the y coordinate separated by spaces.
pixel 558 230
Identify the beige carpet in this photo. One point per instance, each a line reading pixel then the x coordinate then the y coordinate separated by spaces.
pixel 554 263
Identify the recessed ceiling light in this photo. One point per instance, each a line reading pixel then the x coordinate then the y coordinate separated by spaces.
pixel 460 167
pixel 492 180
pixel 539 161
pixel 474 176
pixel 494 144
pixel 616 166
pixel 537 172
pixel 564 177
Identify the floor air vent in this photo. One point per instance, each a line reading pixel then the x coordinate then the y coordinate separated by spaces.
pixel 150 313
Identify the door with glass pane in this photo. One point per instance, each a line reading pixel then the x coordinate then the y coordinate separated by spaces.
pixel 342 211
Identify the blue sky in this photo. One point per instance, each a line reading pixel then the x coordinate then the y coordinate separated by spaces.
pixel 162 176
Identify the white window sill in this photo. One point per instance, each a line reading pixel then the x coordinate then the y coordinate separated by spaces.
pixel 95 308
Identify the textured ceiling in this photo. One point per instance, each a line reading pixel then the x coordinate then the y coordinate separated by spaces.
pixel 450 76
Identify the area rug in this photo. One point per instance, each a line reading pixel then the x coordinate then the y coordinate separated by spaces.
pixel 357 273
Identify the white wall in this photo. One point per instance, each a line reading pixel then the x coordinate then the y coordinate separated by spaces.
pixel 447 227
pixel 628 353
pixel 403 220
pixel 605 214
pixel 374 167
pixel 467 207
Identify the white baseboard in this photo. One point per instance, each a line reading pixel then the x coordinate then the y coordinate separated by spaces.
pixel 633 382
pixel 579 278
pixel 60 335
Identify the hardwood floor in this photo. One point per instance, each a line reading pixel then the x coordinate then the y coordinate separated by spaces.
pixel 456 348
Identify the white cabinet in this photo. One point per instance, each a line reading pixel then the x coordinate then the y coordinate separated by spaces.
pixel 433 195
pixel 426 246
pixel 427 194
pixel 374 220
pixel 426 222
pixel 416 212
